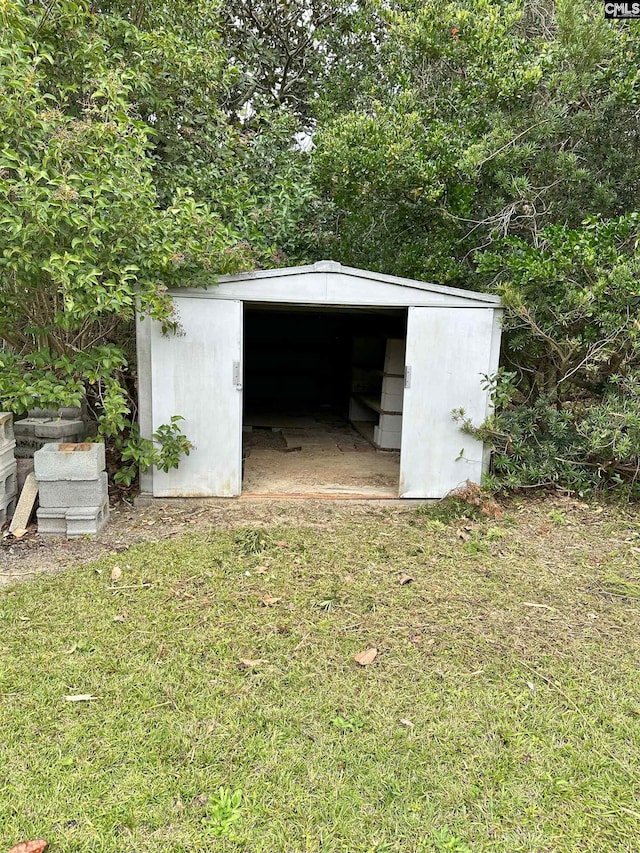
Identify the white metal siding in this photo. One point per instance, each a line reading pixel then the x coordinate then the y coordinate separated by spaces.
pixel 448 351
pixel 192 376
pixel 453 338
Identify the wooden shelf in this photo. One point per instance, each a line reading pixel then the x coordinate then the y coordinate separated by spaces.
pixel 376 371
pixel 374 404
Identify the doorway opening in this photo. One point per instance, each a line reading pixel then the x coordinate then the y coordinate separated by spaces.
pixel 323 395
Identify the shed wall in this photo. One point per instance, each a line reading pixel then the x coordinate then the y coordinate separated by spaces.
pixel 455 340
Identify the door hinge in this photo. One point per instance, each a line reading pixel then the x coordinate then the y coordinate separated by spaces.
pixel 407 377
pixel 237 375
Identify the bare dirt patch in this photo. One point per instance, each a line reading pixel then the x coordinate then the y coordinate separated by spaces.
pixel 548 528
pixel 129 525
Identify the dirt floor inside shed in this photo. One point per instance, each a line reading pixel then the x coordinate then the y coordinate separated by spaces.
pixel 315 455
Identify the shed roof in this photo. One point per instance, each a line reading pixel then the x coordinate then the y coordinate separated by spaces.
pixel 331 283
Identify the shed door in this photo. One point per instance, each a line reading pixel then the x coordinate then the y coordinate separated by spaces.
pixel 448 351
pixel 197 374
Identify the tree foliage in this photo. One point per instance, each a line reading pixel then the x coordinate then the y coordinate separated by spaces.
pixel 493 145
pixel 120 176
pixel 487 144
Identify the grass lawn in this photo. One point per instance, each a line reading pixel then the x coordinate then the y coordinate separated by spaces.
pixel 502 712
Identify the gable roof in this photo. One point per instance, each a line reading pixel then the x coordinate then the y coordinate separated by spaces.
pixel 330 283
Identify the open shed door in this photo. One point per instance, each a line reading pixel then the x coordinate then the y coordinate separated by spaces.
pixel 198 374
pixel 448 351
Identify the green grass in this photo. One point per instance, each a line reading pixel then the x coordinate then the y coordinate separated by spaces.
pixel 501 714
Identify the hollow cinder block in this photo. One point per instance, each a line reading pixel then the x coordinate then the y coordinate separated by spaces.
pixel 6 427
pixel 74 492
pixel 58 461
pixel 393 385
pixel 42 413
pixel 7 509
pixel 8 481
pixel 87 520
pixel 7 453
pixel 52 521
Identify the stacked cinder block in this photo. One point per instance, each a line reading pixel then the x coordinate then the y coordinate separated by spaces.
pixel 388 432
pixel 8 477
pixel 72 484
pixel 44 426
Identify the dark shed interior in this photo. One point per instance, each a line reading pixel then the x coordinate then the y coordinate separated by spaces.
pixel 300 360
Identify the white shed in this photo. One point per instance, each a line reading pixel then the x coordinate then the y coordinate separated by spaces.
pixel 320 379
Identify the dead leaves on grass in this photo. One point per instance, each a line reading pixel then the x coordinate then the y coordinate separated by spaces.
pixel 367 657
pixel 247 663
pixel 37 845
pixel 464 533
pixel 80 697
pixel 404 579
pixel 474 495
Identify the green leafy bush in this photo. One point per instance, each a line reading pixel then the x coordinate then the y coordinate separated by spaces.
pixel 579 445
pixel 114 154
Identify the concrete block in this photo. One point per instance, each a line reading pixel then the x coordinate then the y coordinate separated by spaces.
pixel 390 423
pixel 393 385
pixel 386 440
pixel 6 427
pixel 27 427
pixel 42 413
pixel 59 461
pixel 392 402
pixel 87 520
pixel 7 453
pixel 74 492
pixel 8 481
pixel 68 412
pixel 25 506
pixel 24 468
pixel 52 521
pixel 7 509
pixel 26 447
pixel 60 429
